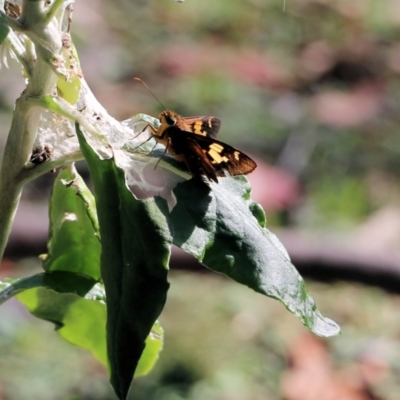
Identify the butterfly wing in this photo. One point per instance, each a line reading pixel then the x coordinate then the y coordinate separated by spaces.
pixel 224 157
pixel 204 126
pixel 184 145
pixel 192 139
pixel 207 156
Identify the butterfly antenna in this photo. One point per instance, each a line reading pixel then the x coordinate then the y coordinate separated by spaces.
pixel 139 80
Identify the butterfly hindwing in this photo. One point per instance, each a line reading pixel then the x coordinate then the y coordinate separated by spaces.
pixel 207 156
pixel 225 157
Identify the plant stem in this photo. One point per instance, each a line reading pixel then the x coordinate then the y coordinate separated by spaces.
pixel 27 115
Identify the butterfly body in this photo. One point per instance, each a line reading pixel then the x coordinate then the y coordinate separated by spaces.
pixel 192 140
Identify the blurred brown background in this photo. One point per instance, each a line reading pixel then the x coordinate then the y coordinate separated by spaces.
pixel 310 89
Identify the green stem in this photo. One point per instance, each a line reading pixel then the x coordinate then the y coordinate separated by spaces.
pixel 15 25
pixel 26 116
pixel 19 51
pixel 53 9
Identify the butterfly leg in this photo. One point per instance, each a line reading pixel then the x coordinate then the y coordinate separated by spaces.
pixel 151 137
pixel 163 154
pixel 153 131
pixel 148 125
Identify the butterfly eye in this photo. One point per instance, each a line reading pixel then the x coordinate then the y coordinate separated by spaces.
pixel 170 120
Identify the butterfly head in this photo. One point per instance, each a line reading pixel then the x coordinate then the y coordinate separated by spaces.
pixel 168 118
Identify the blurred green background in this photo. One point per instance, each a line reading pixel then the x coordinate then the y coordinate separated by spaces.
pixel 311 89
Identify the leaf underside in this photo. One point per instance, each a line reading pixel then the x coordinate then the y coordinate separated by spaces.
pixel 134 264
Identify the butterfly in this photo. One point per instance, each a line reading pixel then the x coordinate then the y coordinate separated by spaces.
pixel 193 141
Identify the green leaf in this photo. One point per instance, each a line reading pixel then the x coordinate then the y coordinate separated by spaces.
pixel 76 305
pixel 154 344
pixel 67 293
pixel 4 28
pixel 224 229
pixel 136 248
pixel 73 244
pixel 59 281
pixel 69 89
pixel 68 300
pixel 78 320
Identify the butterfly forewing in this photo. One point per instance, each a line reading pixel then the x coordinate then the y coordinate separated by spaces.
pixel 205 126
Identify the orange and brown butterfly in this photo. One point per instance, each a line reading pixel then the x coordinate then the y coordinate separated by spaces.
pixel 192 140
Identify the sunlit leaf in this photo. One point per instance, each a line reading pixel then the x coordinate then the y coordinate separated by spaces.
pixel 221 226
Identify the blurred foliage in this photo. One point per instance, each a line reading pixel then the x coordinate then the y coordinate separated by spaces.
pixel 323 72
pixel 232 345
pixel 311 86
